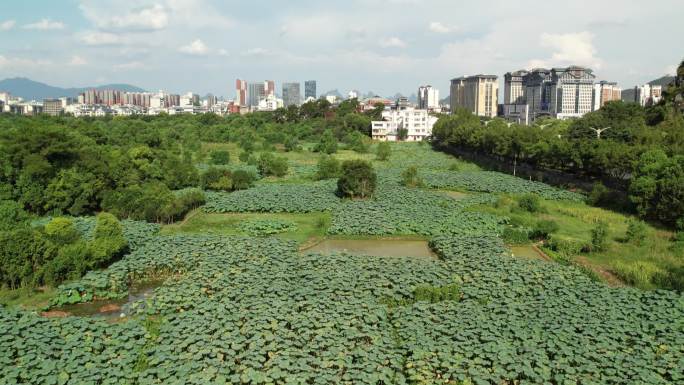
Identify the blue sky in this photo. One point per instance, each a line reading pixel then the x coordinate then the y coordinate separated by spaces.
pixel 385 46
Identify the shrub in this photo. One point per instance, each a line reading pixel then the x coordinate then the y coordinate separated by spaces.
pixel 529 203
pixel 434 294
pixel 328 167
pixel 220 157
pixel 244 156
pixel 383 151
pixel 516 235
pixel 599 236
pixel 598 194
pixel 70 263
pixel 454 167
pixel 327 144
pixel 107 226
pixel 62 231
pixel 410 177
pixel 636 232
pixel 358 179
pixel 356 141
pixel 543 228
pixel 216 179
pixel 269 164
pixel 292 144
pixel 242 179
pixel 567 247
pixel 640 274
pixel 192 198
pixel 672 277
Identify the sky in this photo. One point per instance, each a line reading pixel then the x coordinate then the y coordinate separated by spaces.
pixel 384 46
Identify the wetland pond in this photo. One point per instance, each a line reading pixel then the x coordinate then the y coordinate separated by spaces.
pixel 108 309
pixel 375 247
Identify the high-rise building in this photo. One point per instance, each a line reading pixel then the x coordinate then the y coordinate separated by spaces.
pixel 241 92
pixel 291 94
pixel 571 92
pixel 269 88
pixel 52 107
pixel 428 98
pixel 310 89
pixel 536 92
pixel 605 92
pixel 478 94
pixel 513 87
pixel 256 91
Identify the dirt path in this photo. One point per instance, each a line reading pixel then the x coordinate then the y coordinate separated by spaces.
pixel 611 279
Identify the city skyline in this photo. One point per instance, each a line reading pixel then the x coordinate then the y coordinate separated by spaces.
pixel 385 46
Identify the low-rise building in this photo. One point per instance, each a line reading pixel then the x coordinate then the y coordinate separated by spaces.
pixel 52 107
pixel 415 124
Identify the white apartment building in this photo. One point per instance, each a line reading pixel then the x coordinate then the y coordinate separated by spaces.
pixel 189 99
pixel 270 103
pixel 418 124
pixel 571 93
pixel 647 94
pixel 428 98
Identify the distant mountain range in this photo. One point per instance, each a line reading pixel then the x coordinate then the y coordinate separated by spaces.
pixel 32 90
pixel 628 94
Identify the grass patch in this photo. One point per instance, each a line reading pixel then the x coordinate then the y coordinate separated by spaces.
pixel 575 221
pixel 310 225
pixel 26 298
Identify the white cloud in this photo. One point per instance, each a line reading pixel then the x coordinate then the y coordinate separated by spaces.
pixel 256 51
pixel 45 24
pixel 153 15
pixel 569 48
pixel 100 38
pixel 77 61
pixel 393 42
pixel 117 17
pixel 7 25
pixel 130 65
pixel 438 27
pixel 197 47
pixel 21 64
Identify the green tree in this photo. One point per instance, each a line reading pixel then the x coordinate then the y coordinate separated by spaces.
pixel 657 188
pixel 358 179
pixel 327 143
pixel 599 236
pixel 270 164
pixel 219 157
pixel 410 177
pixel 328 167
pixel 402 134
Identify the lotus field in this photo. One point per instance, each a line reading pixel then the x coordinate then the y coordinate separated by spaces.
pixel 254 309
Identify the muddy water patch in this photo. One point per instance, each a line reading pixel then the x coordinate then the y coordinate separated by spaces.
pixel 108 309
pixel 375 247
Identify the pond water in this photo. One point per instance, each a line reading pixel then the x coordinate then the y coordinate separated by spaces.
pixel 110 309
pixel 375 247
pixel 525 251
